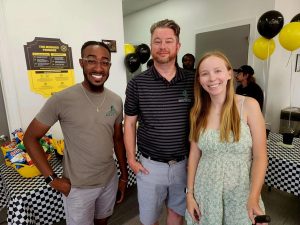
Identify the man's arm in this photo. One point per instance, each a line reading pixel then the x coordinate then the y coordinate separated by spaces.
pixel 35 131
pixel 130 144
pixel 120 152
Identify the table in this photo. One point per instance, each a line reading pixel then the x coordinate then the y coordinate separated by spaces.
pixel 31 200
pixel 284 165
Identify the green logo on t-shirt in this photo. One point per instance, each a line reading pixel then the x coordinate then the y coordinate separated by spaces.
pixel 112 111
pixel 185 97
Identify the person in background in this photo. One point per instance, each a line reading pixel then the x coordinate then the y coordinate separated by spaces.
pixel 90 117
pixel 149 63
pixel 248 86
pixel 188 62
pixel 159 99
pixel 228 155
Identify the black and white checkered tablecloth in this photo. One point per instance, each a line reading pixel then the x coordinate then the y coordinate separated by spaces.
pixel 31 200
pixel 3 199
pixel 284 165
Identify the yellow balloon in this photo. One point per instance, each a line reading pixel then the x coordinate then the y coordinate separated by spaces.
pixel 289 36
pixel 129 48
pixel 263 48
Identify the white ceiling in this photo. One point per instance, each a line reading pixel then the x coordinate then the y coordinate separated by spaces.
pixel 132 6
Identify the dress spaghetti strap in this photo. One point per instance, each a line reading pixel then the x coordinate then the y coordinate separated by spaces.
pixel 242 107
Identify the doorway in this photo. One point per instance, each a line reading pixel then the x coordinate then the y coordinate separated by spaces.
pixel 233 42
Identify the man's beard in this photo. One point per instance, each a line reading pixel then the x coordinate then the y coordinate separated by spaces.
pixel 93 87
pixel 163 60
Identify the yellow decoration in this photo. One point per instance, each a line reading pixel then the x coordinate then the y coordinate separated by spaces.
pixel 59 145
pixel 4 150
pixel 129 48
pixel 263 48
pixel 289 36
pixel 27 171
pixel 47 82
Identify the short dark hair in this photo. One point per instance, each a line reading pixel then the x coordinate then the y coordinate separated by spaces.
pixel 166 23
pixel 88 43
pixel 188 55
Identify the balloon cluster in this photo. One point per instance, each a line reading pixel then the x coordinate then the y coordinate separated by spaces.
pixel 268 26
pixel 135 56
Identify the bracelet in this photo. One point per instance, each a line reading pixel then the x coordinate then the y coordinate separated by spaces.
pixel 125 181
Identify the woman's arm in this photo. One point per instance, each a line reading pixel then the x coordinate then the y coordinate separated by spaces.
pixel 194 158
pixel 256 123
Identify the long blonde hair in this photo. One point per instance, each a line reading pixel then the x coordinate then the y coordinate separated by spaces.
pixel 230 118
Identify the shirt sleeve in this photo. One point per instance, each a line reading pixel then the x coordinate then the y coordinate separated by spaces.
pixel 48 114
pixel 131 106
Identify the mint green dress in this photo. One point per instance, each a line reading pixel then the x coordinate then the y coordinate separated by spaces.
pixel 222 181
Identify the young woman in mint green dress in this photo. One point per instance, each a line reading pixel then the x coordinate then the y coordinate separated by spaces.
pixel 228 156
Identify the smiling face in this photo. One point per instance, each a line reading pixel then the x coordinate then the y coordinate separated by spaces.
pixel 214 75
pixel 164 45
pixel 95 63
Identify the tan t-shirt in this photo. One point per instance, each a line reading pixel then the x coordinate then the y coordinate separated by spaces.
pixel 88 134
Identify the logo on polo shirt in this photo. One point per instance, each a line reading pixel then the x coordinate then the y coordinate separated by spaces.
pixel 112 111
pixel 185 97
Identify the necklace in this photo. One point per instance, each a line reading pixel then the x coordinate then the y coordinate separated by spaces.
pixel 92 103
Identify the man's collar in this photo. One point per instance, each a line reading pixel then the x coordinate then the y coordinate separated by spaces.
pixel 178 76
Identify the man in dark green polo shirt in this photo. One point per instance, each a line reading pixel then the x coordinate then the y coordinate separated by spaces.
pixel 160 99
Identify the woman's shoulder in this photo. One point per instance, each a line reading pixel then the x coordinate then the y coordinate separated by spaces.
pixel 249 105
pixel 246 100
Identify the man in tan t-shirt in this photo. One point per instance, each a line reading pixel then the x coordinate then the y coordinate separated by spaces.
pixel 90 117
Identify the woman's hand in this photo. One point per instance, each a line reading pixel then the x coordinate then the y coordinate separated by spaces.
pixel 193 207
pixel 254 210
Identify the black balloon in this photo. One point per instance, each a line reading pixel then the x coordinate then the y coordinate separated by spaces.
pixel 270 24
pixel 132 62
pixel 143 51
pixel 296 18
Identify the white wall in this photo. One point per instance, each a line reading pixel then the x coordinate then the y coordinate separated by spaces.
pixel 72 21
pixel 196 16
pixel 280 72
